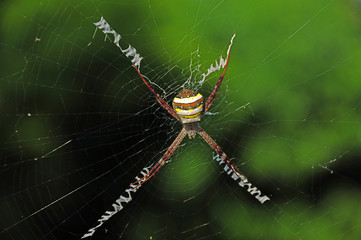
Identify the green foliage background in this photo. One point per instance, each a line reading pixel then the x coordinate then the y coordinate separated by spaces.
pixel 296 63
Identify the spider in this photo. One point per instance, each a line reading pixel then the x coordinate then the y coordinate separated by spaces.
pixel 188 108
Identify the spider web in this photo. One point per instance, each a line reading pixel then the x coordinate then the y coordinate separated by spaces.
pixel 78 124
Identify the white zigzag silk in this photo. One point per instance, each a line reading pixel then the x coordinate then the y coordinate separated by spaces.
pixel 118 204
pixel 130 52
pixel 221 64
pixel 243 181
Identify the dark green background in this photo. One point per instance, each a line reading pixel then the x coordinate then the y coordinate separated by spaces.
pixel 295 68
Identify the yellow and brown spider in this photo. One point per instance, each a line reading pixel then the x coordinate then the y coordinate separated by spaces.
pixel 188 108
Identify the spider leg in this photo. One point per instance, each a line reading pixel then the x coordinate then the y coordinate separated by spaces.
pixel 222 155
pixel 162 161
pixel 146 173
pixel 216 88
pixel 161 101
pixel 231 169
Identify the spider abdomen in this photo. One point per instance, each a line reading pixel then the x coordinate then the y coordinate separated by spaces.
pixel 188 106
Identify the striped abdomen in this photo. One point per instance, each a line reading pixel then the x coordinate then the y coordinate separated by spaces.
pixel 188 106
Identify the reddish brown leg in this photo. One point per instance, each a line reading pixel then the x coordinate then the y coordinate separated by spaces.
pixel 163 160
pixel 216 88
pixel 163 103
pixel 220 152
